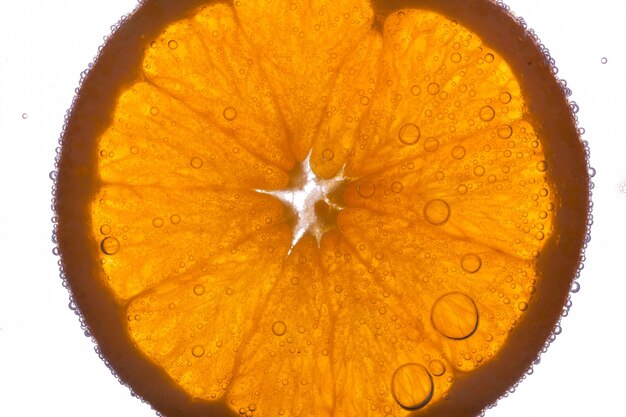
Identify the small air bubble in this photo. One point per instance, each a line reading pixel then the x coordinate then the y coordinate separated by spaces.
pixel 279 328
pixel 505 131
pixel 24 116
pixel 458 152
pixel 431 144
pixel 197 351
pixel 436 212
pixel 196 162
pixel 328 154
pixel 157 222
pixel 479 170
pixel 198 289
pixel 53 175
pixel 542 166
pixel 110 245
pixel 604 60
pixel 230 113
pixel 487 113
pixel 433 88
pixel 366 189
pixel 409 134
pixel 436 367
pixel 175 219
pixel 396 187
pixel 172 44
pixel 471 263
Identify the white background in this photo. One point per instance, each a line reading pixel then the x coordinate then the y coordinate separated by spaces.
pixel 48 367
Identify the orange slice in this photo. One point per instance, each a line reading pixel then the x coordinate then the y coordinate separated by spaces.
pixel 328 208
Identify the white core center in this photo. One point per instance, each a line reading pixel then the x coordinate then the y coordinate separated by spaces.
pixel 302 199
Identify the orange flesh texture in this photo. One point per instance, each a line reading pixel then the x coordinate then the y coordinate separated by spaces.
pixel 439 277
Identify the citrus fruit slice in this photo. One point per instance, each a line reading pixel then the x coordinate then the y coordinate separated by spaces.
pixel 328 208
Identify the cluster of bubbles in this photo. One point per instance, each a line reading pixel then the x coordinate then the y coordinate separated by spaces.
pixel 53 176
pixel 575 286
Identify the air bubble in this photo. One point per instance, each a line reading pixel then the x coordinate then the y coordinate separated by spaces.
pixel 592 172
pixel 523 306
pixel 471 263
pixel 436 367
pixel 409 134
pixel 455 316
pixel 412 386
pixel 458 152
pixel 542 166
pixel 436 212
pixel 366 189
pixel 487 113
pixel 230 113
pixel 505 98
pixel 431 144
pixel 110 245
pixel 397 187
pixel 154 111
pixel 24 116
pixel 196 162
pixel 433 88
pixel 456 57
pixel 198 289
pixel 157 222
pixel 279 328
pixel 105 229
pixel 197 351
pixel 505 131
pixel 604 60
pixel 175 218
pixel 328 154
pixel 479 170
pixel 172 44
pixel 489 58
pixel 416 90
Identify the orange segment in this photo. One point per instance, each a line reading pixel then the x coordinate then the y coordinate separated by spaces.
pixel 153 132
pixel 208 66
pixel 198 324
pixel 494 191
pixel 303 48
pixel 430 159
pixel 164 239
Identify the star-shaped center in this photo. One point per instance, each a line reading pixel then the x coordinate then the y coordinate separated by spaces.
pixel 308 192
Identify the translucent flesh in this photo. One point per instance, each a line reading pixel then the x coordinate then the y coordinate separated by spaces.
pixel 445 200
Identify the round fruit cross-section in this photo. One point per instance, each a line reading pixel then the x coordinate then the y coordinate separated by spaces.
pixel 347 207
